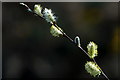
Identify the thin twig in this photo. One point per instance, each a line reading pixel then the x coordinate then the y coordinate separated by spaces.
pixel 66 36
pixel 69 38
pixel 101 70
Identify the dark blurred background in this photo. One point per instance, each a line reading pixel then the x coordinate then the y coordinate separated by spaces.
pixel 31 52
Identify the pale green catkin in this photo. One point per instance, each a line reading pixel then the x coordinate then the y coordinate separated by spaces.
pixel 92 68
pixel 92 49
pixel 38 10
pixel 55 31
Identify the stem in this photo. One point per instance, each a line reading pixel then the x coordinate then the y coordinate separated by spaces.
pixel 66 36
pixel 87 55
pixel 105 75
pixel 84 51
pixel 101 70
pixel 95 63
pixel 69 38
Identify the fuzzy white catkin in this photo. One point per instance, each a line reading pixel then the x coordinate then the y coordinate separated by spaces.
pixel 92 68
pixel 48 15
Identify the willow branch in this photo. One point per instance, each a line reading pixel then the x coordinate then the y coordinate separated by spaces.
pixel 66 36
